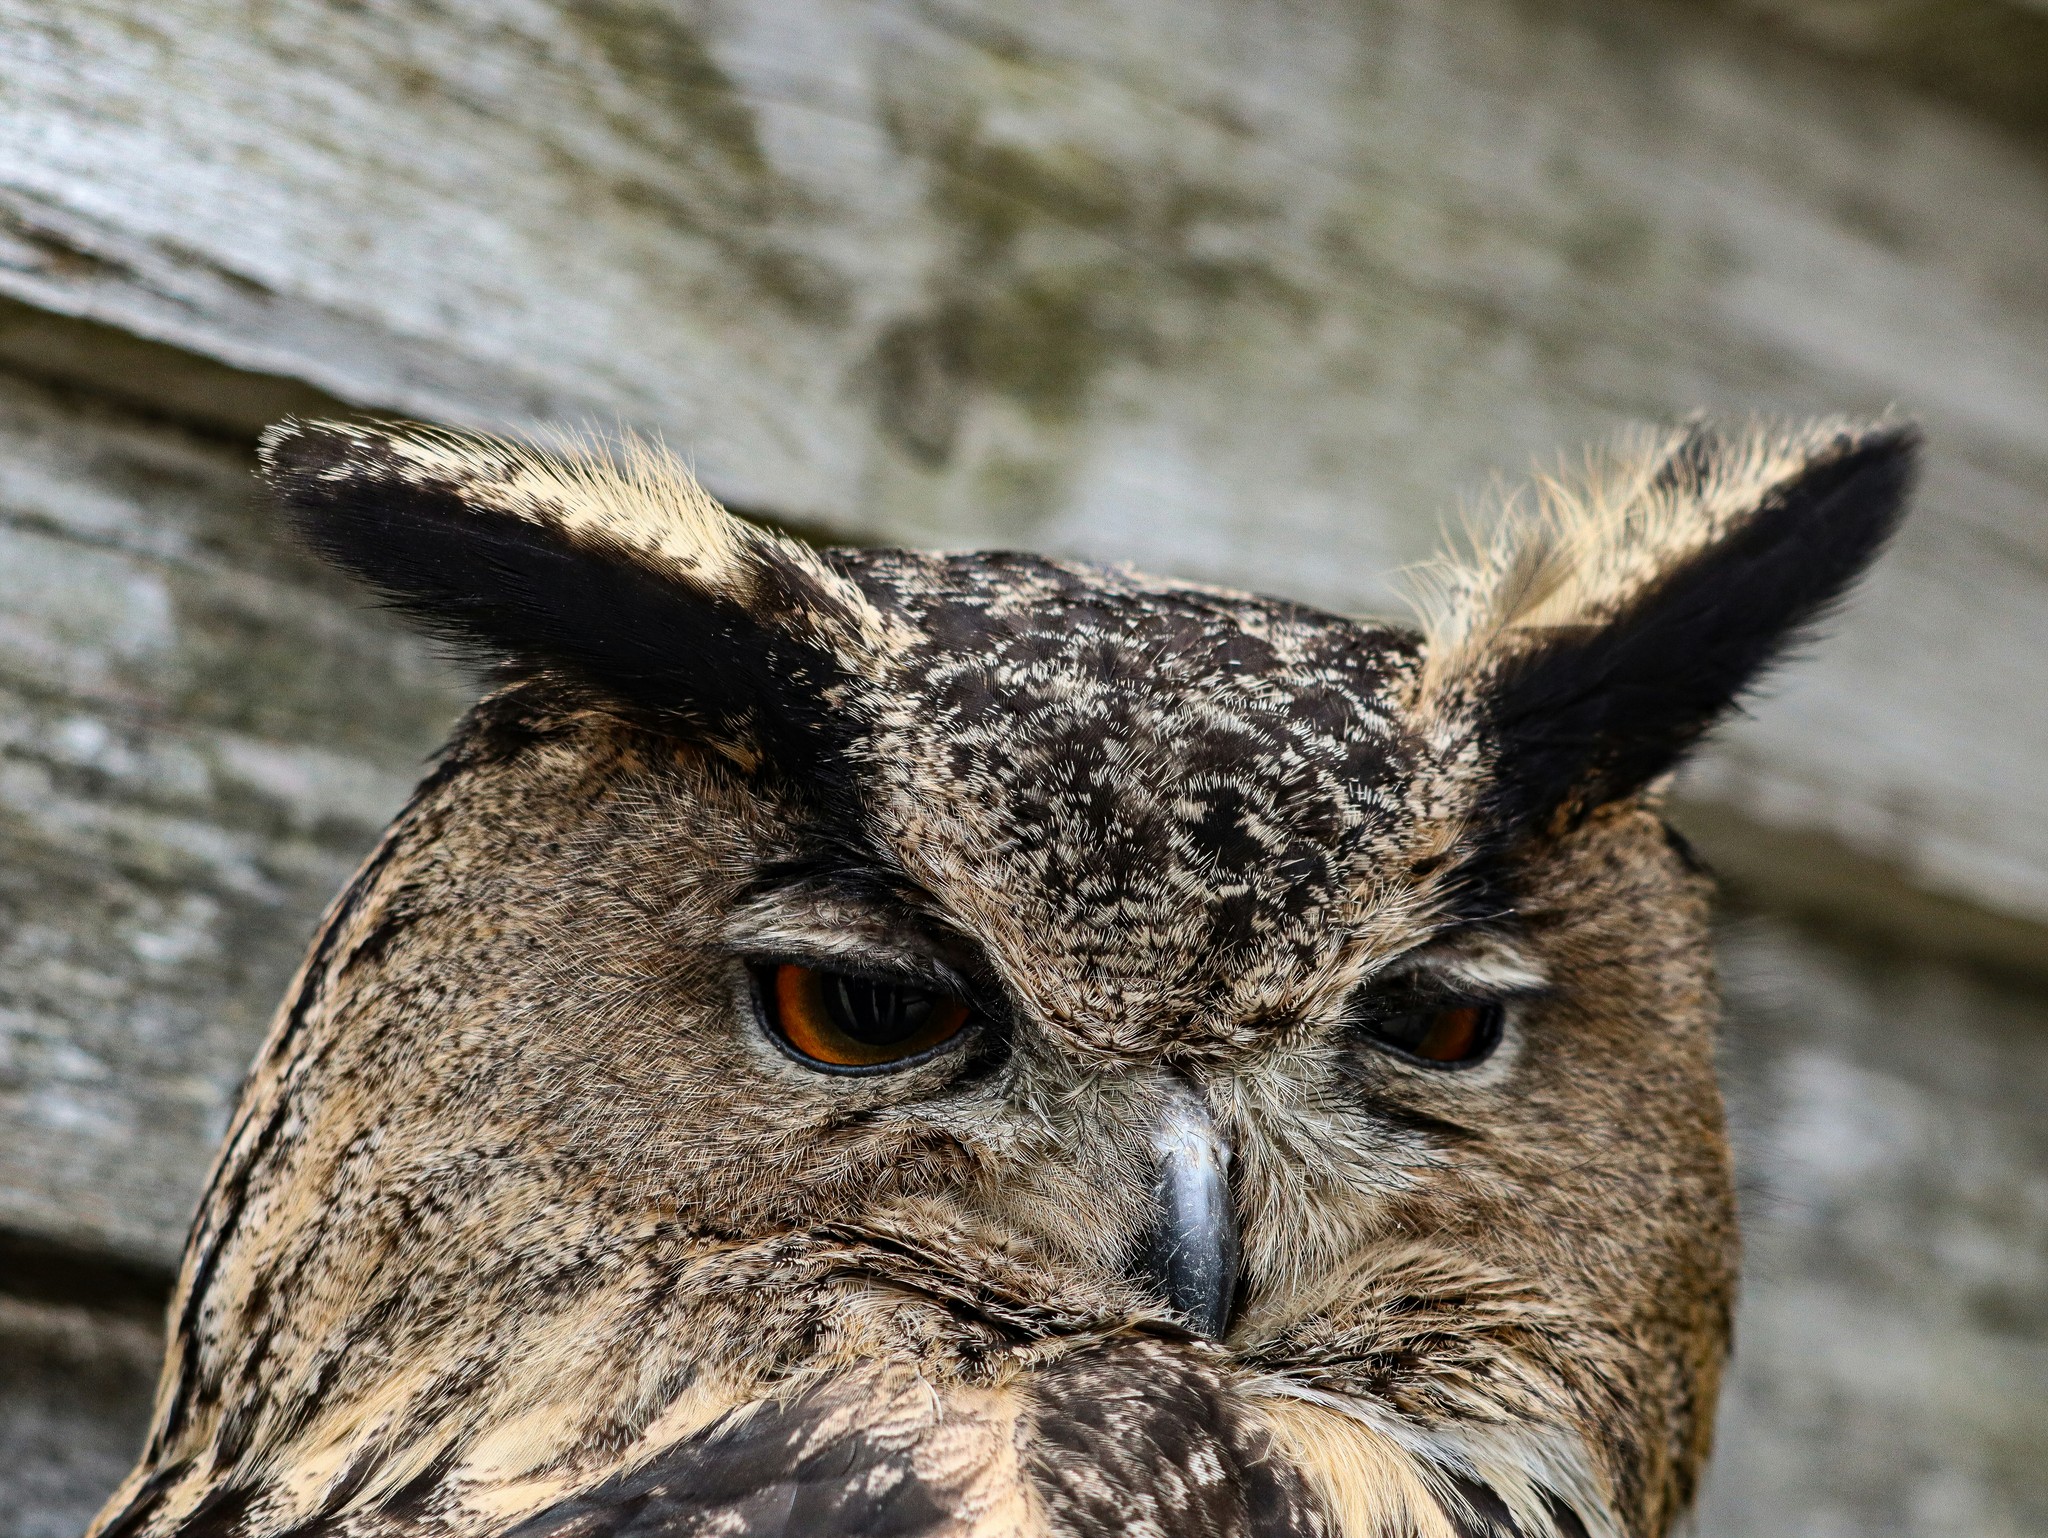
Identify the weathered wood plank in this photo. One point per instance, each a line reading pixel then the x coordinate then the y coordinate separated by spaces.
pixel 1891 1364
pixel 1231 290
pixel 1989 55
pixel 200 732
pixel 74 1407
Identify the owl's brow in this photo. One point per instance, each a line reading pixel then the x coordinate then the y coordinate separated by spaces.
pixel 1476 891
pixel 1462 922
pixel 839 871
pixel 836 865
pixel 1446 951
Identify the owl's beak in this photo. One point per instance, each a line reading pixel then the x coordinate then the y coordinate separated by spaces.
pixel 1192 1255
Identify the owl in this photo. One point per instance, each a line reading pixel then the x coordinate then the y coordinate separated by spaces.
pixel 870 1044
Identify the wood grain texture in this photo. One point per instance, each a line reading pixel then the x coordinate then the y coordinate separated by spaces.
pixel 74 1406
pixel 1891 1365
pixel 200 732
pixel 1239 296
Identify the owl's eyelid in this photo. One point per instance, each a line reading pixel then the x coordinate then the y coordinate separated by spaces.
pixel 892 972
pixel 822 924
pixel 1436 988
pixel 1484 968
pixel 1423 983
pixel 1498 1022
pixel 1368 1007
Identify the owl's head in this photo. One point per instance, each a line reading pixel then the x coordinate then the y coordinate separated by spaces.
pixel 1117 1007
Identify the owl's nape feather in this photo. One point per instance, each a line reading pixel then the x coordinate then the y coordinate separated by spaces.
pixel 607 563
pixel 1600 638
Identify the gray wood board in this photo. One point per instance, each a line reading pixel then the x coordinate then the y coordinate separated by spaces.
pixel 1891 1351
pixel 1245 291
pixel 200 733
pixel 74 1408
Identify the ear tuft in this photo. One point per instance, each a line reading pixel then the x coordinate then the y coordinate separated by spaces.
pixel 604 561
pixel 1615 615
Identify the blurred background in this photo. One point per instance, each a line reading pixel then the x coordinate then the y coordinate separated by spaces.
pixel 1253 291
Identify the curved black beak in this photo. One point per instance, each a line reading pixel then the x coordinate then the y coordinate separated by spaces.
pixel 1192 1254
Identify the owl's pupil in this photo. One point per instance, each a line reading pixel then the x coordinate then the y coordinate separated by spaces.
pixel 877 1014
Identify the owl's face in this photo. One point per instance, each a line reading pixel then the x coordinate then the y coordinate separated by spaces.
pixel 810 967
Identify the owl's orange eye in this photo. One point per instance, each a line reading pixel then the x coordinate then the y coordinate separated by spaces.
pixel 1449 1035
pixel 857 1024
